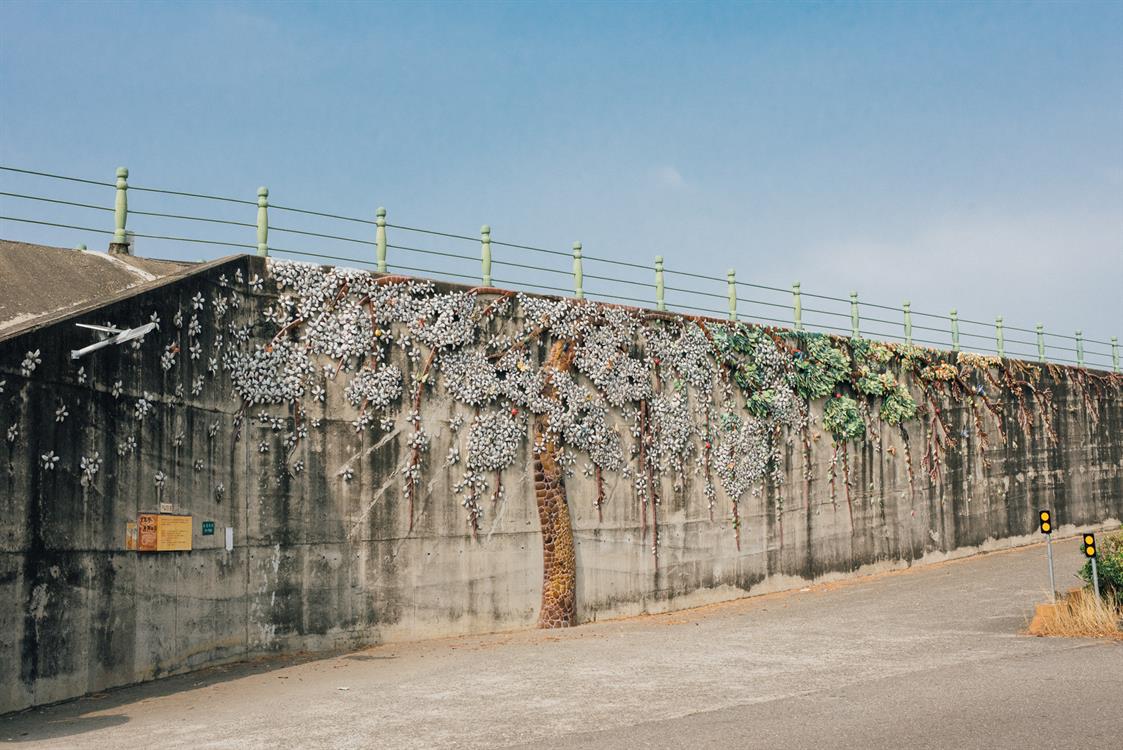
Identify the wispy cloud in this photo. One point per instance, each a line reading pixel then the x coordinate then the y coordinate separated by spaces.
pixel 670 178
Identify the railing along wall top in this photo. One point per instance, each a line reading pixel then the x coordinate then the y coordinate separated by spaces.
pixel 665 288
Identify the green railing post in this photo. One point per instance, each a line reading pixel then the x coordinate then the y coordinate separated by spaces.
pixel 1115 353
pixel 660 304
pixel 797 308
pixel 907 307
pixel 263 221
pixel 578 274
pixel 120 242
pixel 855 322
pixel 380 239
pixel 485 254
pixel 999 336
pixel 1040 343
pixel 731 283
pixel 1080 348
pixel 954 330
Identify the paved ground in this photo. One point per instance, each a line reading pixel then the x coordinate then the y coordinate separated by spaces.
pixel 928 658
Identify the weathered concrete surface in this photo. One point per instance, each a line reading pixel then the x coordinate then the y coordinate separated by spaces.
pixel 321 563
pixel 926 658
pixel 38 281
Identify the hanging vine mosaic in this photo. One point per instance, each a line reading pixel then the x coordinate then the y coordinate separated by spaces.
pixel 651 399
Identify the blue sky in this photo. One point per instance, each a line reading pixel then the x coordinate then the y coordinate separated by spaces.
pixel 963 155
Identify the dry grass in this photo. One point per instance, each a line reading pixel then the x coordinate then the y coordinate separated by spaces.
pixel 1078 615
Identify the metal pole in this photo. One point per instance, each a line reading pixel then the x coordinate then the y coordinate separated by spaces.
pixel 954 330
pixel 855 326
pixel 999 337
pixel 1052 580
pixel 731 281
pixel 660 304
pixel 1080 348
pixel 907 306
pixel 1040 343
pixel 578 275
pixel 485 254
pixel 1096 577
pixel 380 239
pixel 1115 353
pixel 120 244
pixel 263 222
pixel 797 307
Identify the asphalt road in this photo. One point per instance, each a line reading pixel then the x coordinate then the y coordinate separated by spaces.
pixel 927 658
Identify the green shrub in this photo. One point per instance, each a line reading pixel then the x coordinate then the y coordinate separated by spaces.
pixel 842 418
pixel 737 340
pixel 759 403
pixel 875 383
pixel 912 357
pixel 868 352
pixel 818 366
pixel 1109 560
pixel 898 406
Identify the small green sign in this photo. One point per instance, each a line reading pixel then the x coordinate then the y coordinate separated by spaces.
pixel 208 528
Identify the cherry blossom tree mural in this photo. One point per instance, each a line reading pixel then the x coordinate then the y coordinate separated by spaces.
pixel 603 389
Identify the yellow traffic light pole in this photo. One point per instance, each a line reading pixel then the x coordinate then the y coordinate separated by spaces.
pixel 1045 519
pixel 1052 579
pixel 1090 551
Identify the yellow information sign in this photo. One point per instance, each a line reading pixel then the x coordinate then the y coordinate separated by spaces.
pixel 130 535
pixel 161 532
pixel 173 533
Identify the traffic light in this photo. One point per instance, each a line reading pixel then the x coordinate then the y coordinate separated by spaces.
pixel 1046 521
pixel 1090 545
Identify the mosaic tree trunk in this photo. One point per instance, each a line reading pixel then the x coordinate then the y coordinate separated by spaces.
pixel 559 561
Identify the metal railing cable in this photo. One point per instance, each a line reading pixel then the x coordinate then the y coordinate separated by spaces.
pixel 881 320
pixel 195 240
pixel 547 287
pixel 927 315
pixel 528 247
pixel 560 272
pixel 324 256
pixel 880 307
pixel 725 296
pixel 320 235
pixel 695 291
pixel 438 234
pixel 184 194
pixel 761 286
pixel 322 214
pixel 398 267
pixel 617 296
pixel 429 252
pixel 826 312
pixel 990 337
pixel 704 277
pixel 194 218
pixel 55 224
pixel 56 176
pixel 643 284
pixel 131 234
pixel 763 302
pixel 622 263
pixel 823 296
pixel 57 201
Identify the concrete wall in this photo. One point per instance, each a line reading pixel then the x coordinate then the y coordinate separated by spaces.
pixel 322 562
